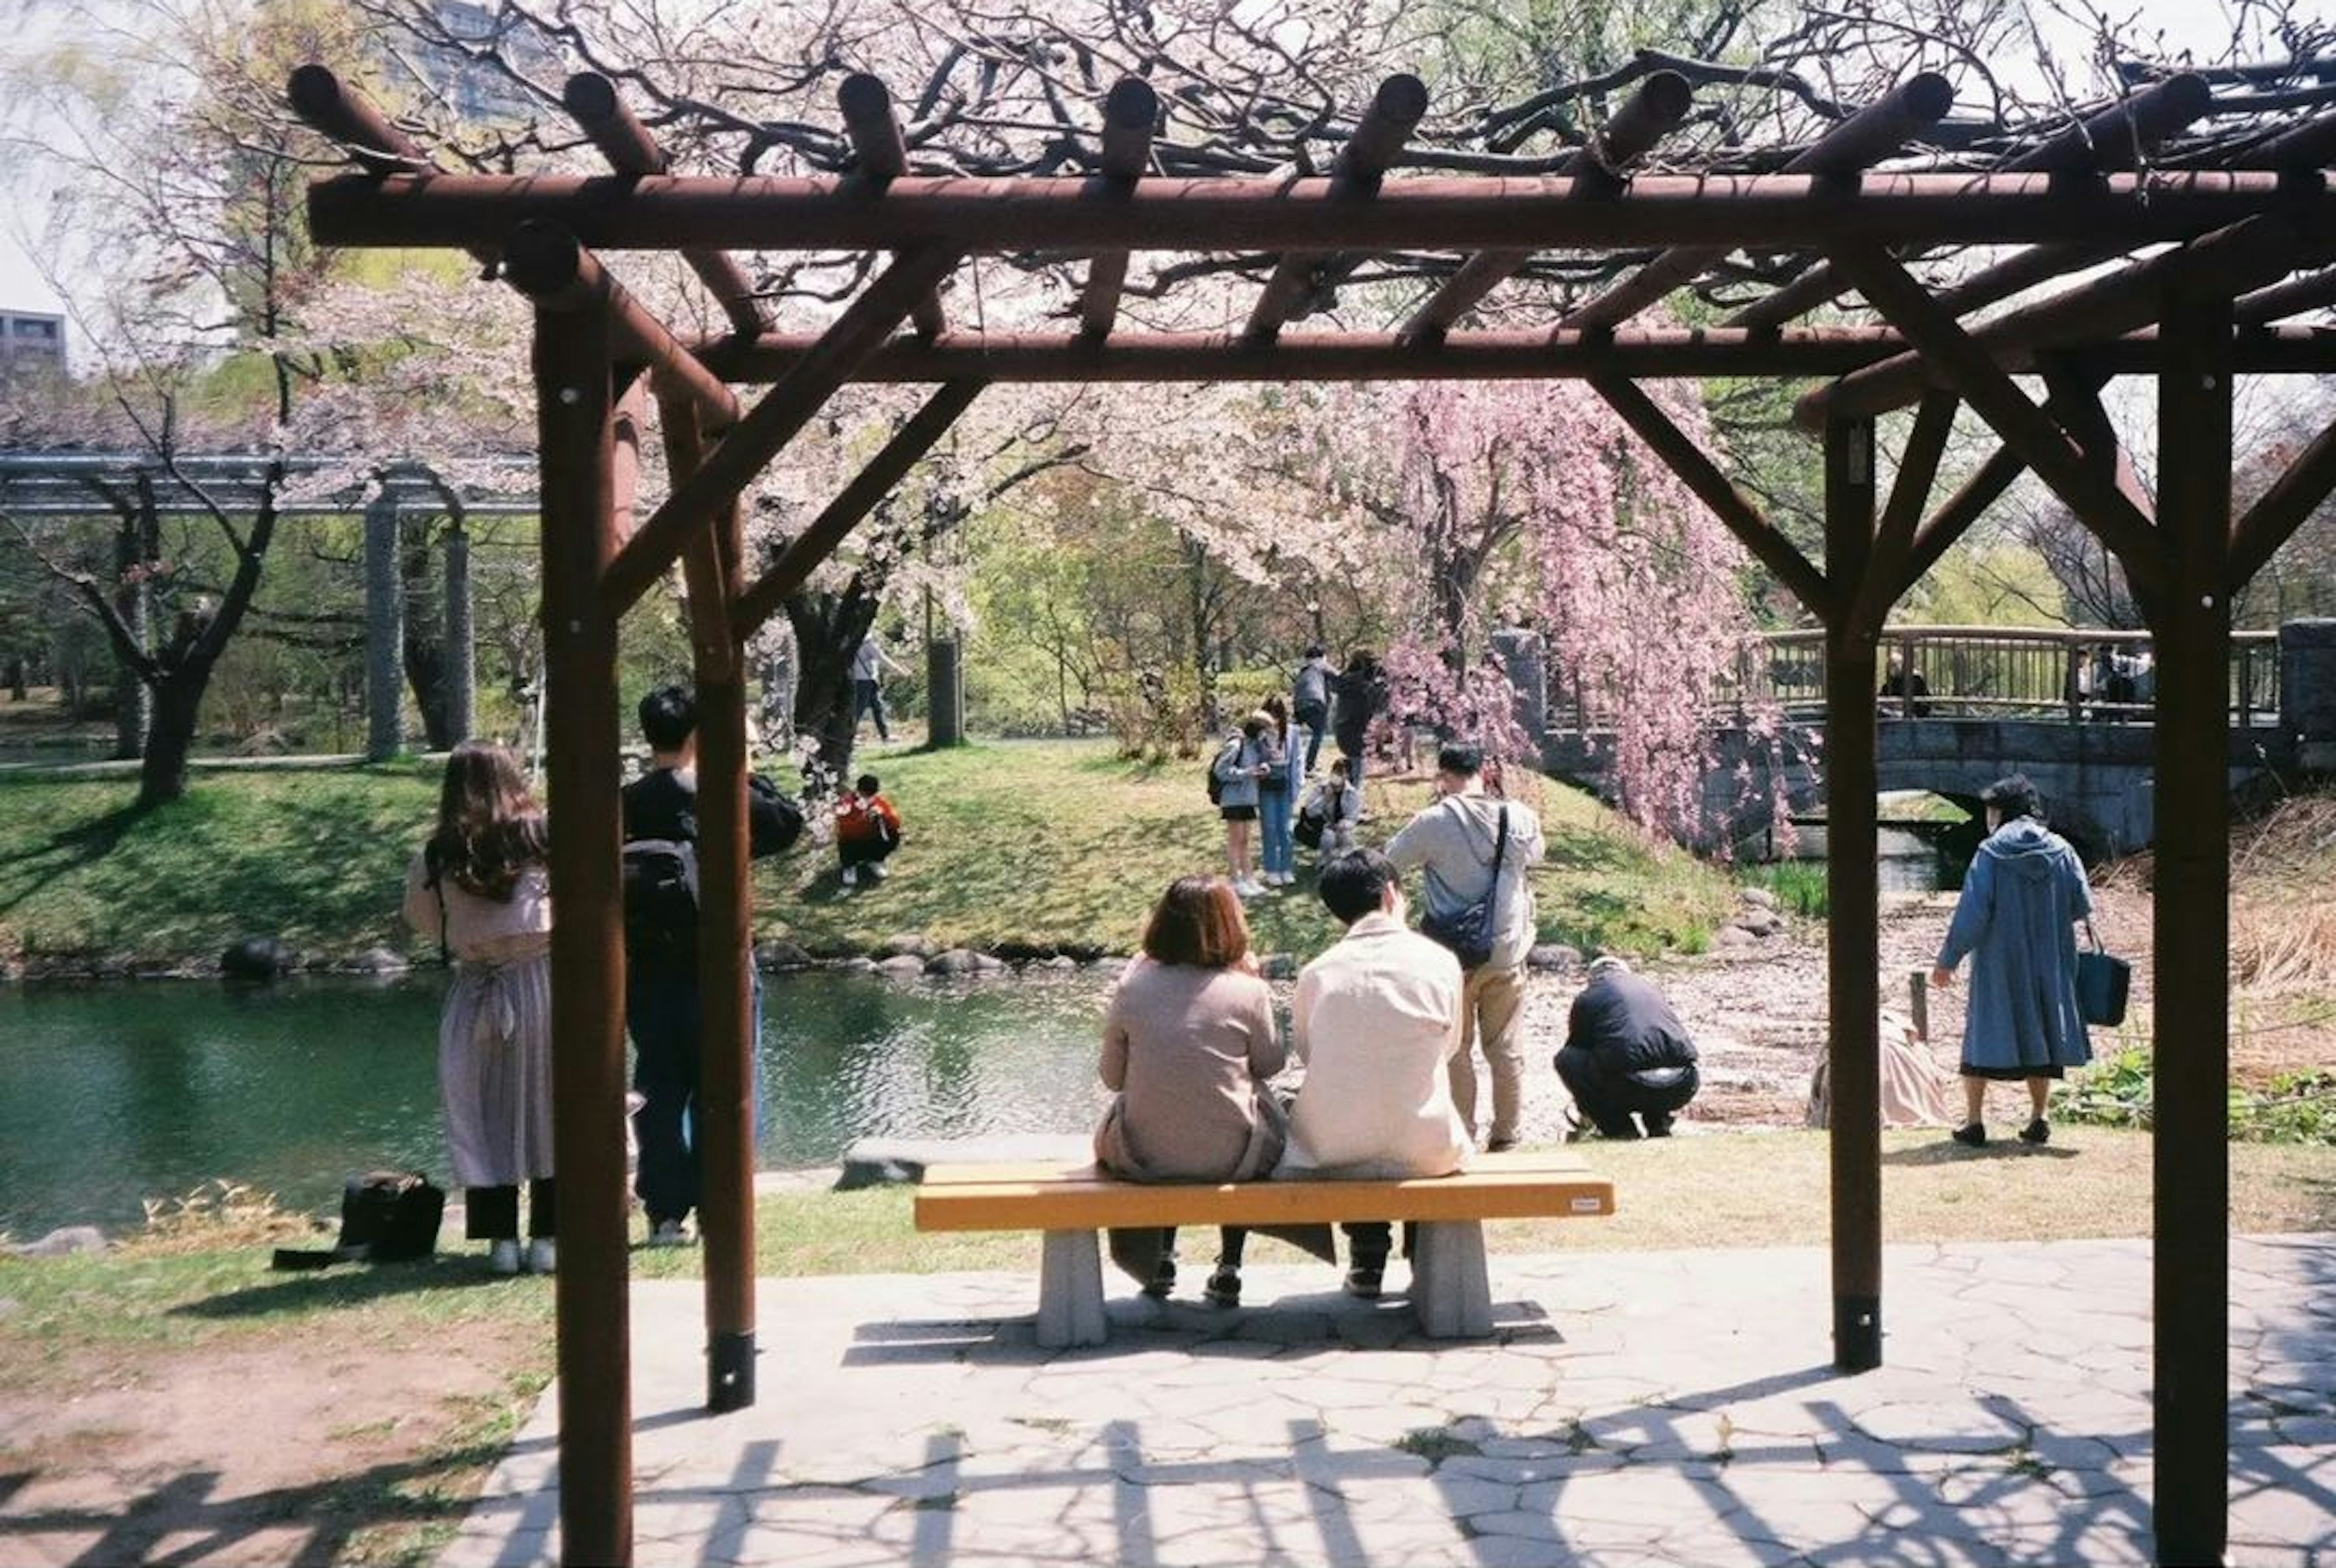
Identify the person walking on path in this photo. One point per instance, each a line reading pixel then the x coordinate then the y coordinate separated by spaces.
pixel 481 887
pixel 1626 1053
pixel 1188 1044
pixel 1458 842
pixel 1243 762
pixel 1277 796
pixel 1309 695
pixel 662 1009
pixel 1376 1020
pixel 2016 920
pixel 869 663
pixel 1361 695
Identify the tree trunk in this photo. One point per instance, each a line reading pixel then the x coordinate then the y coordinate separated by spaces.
pixel 829 629
pixel 461 679
pixel 385 630
pixel 133 600
pixel 178 698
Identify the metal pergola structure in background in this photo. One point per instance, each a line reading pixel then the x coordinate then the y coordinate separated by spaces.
pixel 2245 235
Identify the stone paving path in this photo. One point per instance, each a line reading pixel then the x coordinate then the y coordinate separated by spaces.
pixel 1633 1409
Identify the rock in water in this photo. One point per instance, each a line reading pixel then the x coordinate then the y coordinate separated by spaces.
pixel 259 960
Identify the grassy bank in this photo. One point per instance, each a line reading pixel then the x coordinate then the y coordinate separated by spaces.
pixel 1046 843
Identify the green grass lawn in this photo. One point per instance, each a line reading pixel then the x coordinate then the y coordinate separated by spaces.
pixel 1047 843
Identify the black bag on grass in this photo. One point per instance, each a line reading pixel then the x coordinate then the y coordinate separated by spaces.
pixel 387 1217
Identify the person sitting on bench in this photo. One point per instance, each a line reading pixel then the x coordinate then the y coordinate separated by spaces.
pixel 1377 1021
pixel 1626 1052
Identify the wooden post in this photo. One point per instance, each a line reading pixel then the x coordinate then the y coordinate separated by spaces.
pixel 1852 891
pixel 2190 936
pixel 711 565
pixel 575 396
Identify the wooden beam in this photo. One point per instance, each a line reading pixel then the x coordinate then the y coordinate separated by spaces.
pixel 548 265
pixel 1735 511
pixel 2233 261
pixel 1866 137
pixel 1631 353
pixel 1131 115
pixel 1993 477
pixel 1660 102
pixel 1009 215
pixel 2279 512
pixel 2043 445
pixel 809 549
pixel 883 152
pixel 1853 918
pixel 2312 291
pixel 2112 138
pixel 1884 578
pixel 2190 1184
pixel 593 103
pixel 575 399
pixel 765 432
pixel 1396 108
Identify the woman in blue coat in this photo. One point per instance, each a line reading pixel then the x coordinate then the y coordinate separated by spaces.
pixel 2016 920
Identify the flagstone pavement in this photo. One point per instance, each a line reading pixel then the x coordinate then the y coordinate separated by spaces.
pixel 1632 1409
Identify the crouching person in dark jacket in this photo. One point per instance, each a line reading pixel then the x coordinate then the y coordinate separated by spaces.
pixel 1626 1053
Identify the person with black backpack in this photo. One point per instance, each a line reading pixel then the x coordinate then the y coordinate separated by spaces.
pixel 661 999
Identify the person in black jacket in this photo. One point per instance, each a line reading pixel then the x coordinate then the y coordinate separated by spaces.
pixel 661 1000
pixel 1360 694
pixel 1626 1053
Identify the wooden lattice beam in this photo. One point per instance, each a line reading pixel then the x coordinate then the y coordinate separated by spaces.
pixel 735 460
pixel 2280 510
pixel 1131 115
pixel 882 153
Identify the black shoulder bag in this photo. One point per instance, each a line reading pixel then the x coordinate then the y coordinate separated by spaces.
pixel 1470 931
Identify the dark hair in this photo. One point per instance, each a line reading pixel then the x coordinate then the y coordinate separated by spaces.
pixel 1315 650
pixel 1360 660
pixel 668 717
pixel 1465 758
pixel 490 829
pixel 1355 883
pixel 1279 710
pixel 1338 766
pixel 867 783
pixel 2013 796
pixel 1257 724
pixel 1197 921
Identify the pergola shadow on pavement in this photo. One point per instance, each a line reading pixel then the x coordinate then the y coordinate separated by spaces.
pixel 2245 213
pixel 1630 1408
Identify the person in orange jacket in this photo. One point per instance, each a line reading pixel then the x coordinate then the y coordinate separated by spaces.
pixel 867 829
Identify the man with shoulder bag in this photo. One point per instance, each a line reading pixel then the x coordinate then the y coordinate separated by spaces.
pixel 1474 849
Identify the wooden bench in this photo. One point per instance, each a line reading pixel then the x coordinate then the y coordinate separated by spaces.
pixel 1070 1202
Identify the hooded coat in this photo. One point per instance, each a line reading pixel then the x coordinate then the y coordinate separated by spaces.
pixel 2021 900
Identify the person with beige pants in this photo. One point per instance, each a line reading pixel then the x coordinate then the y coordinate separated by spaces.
pixel 1457 843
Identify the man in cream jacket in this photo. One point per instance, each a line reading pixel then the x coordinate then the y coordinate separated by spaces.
pixel 1376 1021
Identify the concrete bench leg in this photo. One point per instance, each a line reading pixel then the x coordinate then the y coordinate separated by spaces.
pixel 1449 1288
pixel 1070 1290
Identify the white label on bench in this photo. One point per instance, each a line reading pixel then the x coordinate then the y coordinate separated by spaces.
pixel 1589 1205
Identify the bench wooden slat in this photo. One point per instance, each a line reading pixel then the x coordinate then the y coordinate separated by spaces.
pixel 990 1173
pixel 1066 1201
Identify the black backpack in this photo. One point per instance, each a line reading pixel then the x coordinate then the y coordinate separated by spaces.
pixel 774 823
pixel 387 1217
pixel 660 882
pixel 1217 785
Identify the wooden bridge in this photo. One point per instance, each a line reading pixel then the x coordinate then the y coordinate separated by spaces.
pixel 1961 706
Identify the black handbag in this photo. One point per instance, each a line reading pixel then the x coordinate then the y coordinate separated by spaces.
pixel 1469 931
pixel 2102 979
pixel 387 1217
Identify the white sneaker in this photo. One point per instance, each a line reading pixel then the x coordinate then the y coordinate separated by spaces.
pixel 851 876
pixel 1244 888
pixel 875 873
pixel 542 1257
pixel 669 1233
pixel 503 1257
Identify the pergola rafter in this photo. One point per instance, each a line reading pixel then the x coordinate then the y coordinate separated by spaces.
pixel 2251 210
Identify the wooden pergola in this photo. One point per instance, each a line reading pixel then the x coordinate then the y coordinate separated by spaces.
pixel 2244 232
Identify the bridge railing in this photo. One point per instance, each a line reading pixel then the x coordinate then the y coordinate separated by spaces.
pixel 2080 675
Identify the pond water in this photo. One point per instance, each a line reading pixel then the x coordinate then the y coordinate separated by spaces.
pixel 112 1093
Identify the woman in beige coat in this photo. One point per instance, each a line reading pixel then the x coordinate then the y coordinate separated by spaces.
pixel 1188 1045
